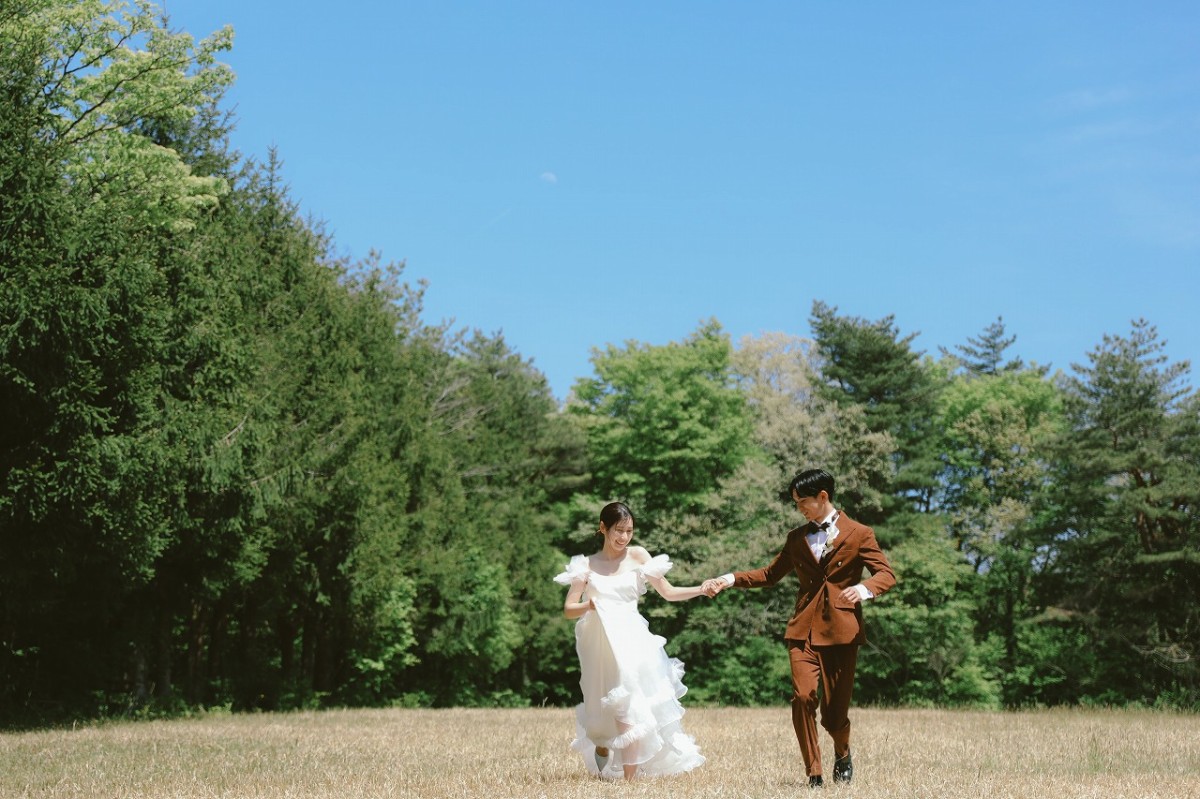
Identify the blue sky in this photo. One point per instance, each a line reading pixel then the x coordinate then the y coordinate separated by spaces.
pixel 575 174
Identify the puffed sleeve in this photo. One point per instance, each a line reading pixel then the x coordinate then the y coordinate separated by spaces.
pixel 577 569
pixel 657 566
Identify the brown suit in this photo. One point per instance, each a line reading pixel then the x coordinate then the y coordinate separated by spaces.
pixel 825 631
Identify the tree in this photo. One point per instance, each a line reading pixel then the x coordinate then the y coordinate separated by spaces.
pixel 664 424
pixel 798 426
pixel 998 431
pixel 518 461
pixel 984 354
pixel 91 209
pixel 923 631
pixel 1123 558
pixel 869 365
pixel 921 646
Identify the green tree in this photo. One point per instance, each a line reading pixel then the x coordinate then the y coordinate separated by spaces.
pixel 518 461
pixel 984 354
pixel 1122 559
pixel 243 471
pixel 998 431
pixel 669 431
pixel 798 426
pixel 732 645
pixel 91 208
pixel 664 424
pixel 869 365
pixel 921 647
pixel 922 633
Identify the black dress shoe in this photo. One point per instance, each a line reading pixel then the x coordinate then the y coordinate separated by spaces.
pixel 815 781
pixel 843 769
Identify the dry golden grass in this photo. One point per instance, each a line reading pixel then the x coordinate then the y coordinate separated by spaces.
pixel 403 754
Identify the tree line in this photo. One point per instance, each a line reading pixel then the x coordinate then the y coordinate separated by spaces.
pixel 239 470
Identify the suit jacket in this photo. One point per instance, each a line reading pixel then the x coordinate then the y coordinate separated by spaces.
pixel 821 616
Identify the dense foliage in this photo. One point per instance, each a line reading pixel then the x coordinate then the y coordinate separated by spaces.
pixel 238 470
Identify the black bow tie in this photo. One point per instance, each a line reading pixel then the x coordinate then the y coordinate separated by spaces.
pixel 821 526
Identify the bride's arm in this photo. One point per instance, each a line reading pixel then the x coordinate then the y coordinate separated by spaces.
pixel 664 588
pixel 575 606
pixel 673 593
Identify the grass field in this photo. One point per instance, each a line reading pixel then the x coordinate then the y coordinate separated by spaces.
pixel 523 753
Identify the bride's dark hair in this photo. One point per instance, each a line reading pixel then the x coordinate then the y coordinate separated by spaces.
pixel 615 512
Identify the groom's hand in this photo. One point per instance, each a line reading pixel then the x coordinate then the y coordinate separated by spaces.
pixel 713 586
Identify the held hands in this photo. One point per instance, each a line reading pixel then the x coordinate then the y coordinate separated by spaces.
pixel 715 585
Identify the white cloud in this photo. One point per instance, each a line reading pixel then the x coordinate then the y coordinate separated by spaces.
pixel 550 177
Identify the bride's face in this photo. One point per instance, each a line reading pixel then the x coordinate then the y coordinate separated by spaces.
pixel 619 535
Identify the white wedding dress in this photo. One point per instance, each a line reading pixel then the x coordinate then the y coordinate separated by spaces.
pixel 631 689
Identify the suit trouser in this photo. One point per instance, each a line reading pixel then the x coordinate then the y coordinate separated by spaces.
pixel 831 667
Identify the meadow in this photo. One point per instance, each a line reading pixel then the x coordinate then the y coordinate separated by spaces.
pixel 406 754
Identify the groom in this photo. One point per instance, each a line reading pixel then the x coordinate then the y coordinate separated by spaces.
pixel 828 555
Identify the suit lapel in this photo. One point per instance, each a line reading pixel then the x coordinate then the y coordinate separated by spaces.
pixel 844 534
pixel 807 555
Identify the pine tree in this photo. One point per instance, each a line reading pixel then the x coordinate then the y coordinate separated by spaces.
pixel 984 354
pixel 870 365
pixel 1124 556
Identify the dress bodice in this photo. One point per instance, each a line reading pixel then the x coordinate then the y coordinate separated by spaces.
pixel 624 586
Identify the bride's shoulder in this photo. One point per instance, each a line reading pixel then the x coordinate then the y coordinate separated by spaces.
pixel 639 554
pixel 656 566
pixel 577 569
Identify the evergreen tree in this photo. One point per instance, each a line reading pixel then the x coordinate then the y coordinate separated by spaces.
pixel 1122 559
pixel 869 365
pixel 518 460
pixel 92 211
pixel 984 354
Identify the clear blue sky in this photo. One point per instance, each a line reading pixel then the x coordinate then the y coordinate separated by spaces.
pixel 575 174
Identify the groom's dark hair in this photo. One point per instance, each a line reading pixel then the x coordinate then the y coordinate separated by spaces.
pixel 811 482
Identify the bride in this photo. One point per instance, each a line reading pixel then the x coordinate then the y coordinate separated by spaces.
pixel 629 722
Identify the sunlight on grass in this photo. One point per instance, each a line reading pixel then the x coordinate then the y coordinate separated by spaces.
pixel 523 754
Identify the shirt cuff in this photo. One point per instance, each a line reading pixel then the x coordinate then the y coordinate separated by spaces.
pixel 728 578
pixel 864 593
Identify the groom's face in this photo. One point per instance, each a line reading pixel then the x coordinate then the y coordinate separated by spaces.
pixel 813 508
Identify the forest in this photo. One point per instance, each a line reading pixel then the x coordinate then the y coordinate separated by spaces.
pixel 238 470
